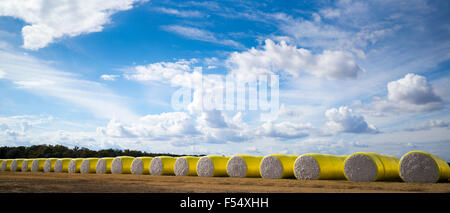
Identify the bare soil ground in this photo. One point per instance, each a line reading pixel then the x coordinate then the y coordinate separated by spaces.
pixel 127 183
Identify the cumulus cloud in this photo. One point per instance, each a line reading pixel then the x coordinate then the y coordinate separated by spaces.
pixel 216 127
pixel 345 120
pixel 163 72
pixel 115 129
pixel 286 130
pixel 412 89
pixel 411 93
pixel 289 60
pixel 49 21
pixel 156 127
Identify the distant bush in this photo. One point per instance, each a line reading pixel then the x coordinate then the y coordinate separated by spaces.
pixel 59 151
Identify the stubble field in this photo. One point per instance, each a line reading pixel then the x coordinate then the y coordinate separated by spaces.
pixel 126 183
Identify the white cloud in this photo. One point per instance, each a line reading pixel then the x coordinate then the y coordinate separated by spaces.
pixel 286 130
pixel 411 93
pixel 160 71
pixel 213 119
pixel 216 127
pixel 344 120
pixel 180 13
pixel 412 89
pixel 109 77
pixel 201 35
pixel 49 21
pixel 290 60
pixel 155 127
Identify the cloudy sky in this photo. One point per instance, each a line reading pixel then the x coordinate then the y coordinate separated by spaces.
pixel 353 75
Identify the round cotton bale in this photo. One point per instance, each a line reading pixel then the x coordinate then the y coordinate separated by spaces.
pixel 49 165
pixel 141 165
pixel 88 165
pixel 162 165
pixel 26 165
pixel 16 165
pixel 212 166
pixel 7 163
pixel 244 166
pixel 422 167
pixel 75 165
pixel 186 166
pixel 314 166
pixel 38 165
pixel 278 166
pixel 62 165
pixel 369 166
pixel 121 165
pixel 104 166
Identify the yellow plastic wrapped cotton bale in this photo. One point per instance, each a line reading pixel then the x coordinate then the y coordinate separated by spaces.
pixel 49 165
pixel 62 165
pixel 313 166
pixel 8 163
pixel 212 166
pixel 369 166
pixel 75 165
pixel 162 165
pixel 186 166
pixel 141 165
pixel 88 165
pixel 422 167
pixel 122 165
pixel 244 166
pixel 2 165
pixel 16 165
pixel 26 165
pixel 104 166
pixel 38 165
pixel 278 166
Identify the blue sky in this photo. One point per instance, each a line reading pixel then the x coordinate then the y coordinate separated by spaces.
pixel 354 75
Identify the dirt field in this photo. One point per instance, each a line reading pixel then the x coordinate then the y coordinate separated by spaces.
pixel 68 183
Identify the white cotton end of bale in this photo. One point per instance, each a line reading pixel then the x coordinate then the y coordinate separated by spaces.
pixel 116 166
pixel 58 166
pixel 181 167
pixel 271 167
pixel 306 168
pixel 72 166
pixel 360 168
pixel 35 166
pixel 236 167
pixel 25 165
pixel 3 167
pixel 419 168
pixel 205 167
pixel 85 166
pixel 137 166
pixel 156 166
pixel 100 168
pixel 13 166
pixel 47 165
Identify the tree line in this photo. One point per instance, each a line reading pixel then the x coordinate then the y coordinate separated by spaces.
pixel 59 151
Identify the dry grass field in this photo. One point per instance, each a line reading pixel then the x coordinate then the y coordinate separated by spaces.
pixel 108 183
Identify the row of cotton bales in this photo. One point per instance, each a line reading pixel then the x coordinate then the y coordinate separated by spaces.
pixel 415 166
